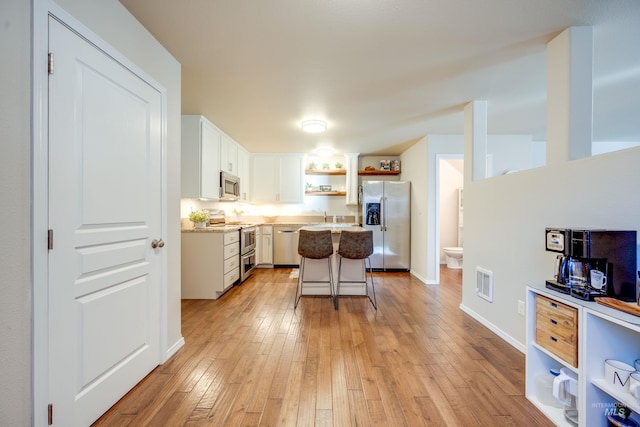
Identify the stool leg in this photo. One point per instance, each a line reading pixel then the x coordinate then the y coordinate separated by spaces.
pixel 335 299
pixel 373 288
pixel 300 283
pixel 331 282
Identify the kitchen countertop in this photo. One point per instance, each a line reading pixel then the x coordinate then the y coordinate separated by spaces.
pixel 334 227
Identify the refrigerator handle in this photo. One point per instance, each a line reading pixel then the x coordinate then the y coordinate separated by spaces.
pixel 383 215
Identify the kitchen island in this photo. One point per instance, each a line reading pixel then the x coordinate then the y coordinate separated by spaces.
pixel 204 249
pixel 316 269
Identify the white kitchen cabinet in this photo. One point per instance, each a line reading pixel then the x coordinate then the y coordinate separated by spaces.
pixel 244 172
pixel 603 333
pixel 265 246
pixel 277 178
pixel 200 158
pixel 210 263
pixel 229 155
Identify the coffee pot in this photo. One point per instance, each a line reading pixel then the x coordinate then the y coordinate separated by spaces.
pixel 561 269
pixel 578 271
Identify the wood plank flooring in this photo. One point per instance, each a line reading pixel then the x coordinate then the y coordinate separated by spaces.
pixel 250 359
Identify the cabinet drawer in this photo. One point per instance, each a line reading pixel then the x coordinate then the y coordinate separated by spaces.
pixel 231 250
pixel 231 237
pixel 557 328
pixel 231 277
pixel 231 263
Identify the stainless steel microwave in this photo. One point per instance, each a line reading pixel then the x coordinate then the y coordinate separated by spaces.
pixel 229 187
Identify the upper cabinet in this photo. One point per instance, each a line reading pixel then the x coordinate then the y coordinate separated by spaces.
pixel 244 172
pixel 229 156
pixel 206 151
pixel 200 158
pixel 277 178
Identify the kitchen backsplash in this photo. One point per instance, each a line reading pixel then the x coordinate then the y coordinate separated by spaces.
pixel 244 212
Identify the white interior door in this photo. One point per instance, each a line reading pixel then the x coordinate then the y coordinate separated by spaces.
pixel 105 198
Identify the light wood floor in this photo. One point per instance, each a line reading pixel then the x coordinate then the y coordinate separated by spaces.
pixel 250 359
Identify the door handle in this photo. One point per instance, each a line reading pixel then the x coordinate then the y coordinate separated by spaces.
pixel 157 243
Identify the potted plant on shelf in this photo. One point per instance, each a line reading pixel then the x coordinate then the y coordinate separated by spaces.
pixel 338 165
pixel 199 218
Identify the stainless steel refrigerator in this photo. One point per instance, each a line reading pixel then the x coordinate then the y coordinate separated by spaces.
pixel 386 209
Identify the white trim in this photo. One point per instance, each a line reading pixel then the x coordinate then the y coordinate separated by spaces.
pixel 39 213
pixel 41 11
pixel 493 328
pixel 419 277
pixel 172 350
pixel 436 249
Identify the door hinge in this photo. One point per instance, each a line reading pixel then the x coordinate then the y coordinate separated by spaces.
pixel 50 239
pixel 50 413
pixel 50 62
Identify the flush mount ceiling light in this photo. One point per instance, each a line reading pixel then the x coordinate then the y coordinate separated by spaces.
pixel 314 126
pixel 324 152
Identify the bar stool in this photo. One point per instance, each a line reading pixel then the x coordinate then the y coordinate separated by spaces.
pixel 356 245
pixel 314 244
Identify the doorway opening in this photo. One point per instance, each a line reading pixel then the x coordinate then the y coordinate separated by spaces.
pixel 449 219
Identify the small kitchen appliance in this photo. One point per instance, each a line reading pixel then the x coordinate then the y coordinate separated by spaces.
pixel 229 187
pixel 581 251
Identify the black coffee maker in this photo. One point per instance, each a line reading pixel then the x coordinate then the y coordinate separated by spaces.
pixel 611 252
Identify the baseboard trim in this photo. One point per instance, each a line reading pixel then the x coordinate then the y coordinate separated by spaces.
pixel 422 279
pixel 173 349
pixel 493 328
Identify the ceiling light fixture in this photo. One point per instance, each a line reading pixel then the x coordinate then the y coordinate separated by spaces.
pixel 314 126
pixel 324 152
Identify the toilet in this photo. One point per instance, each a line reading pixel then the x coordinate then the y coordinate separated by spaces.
pixel 453 256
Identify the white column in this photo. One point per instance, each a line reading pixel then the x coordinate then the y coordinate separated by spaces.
pixel 352 178
pixel 475 139
pixel 569 95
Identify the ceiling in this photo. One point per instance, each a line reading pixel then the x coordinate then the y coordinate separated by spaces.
pixel 385 73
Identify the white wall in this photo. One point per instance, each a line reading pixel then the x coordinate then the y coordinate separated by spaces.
pixel 509 153
pixel 116 26
pixel 505 216
pixel 413 162
pixel 15 182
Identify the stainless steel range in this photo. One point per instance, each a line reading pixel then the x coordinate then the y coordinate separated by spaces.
pixel 247 242
pixel 247 251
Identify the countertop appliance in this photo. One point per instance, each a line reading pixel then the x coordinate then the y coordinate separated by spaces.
pixel 229 187
pixel 285 246
pixel 386 211
pixel 612 252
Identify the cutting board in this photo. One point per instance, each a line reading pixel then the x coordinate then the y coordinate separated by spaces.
pixel 627 307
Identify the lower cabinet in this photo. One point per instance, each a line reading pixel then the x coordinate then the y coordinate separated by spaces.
pixel 264 246
pixel 579 337
pixel 210 263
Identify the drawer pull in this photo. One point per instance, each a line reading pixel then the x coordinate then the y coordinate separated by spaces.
pixel 554 339
pixel 553 304
pixel 555 322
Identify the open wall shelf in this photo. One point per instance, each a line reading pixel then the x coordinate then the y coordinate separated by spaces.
pixel 378 172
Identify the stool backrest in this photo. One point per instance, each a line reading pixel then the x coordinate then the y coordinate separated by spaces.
pixel 315 244
pixel 356 244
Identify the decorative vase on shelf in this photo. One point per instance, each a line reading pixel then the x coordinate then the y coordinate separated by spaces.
pixel 200 224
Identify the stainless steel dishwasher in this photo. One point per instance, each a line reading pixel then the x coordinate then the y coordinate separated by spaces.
pixel 285 246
